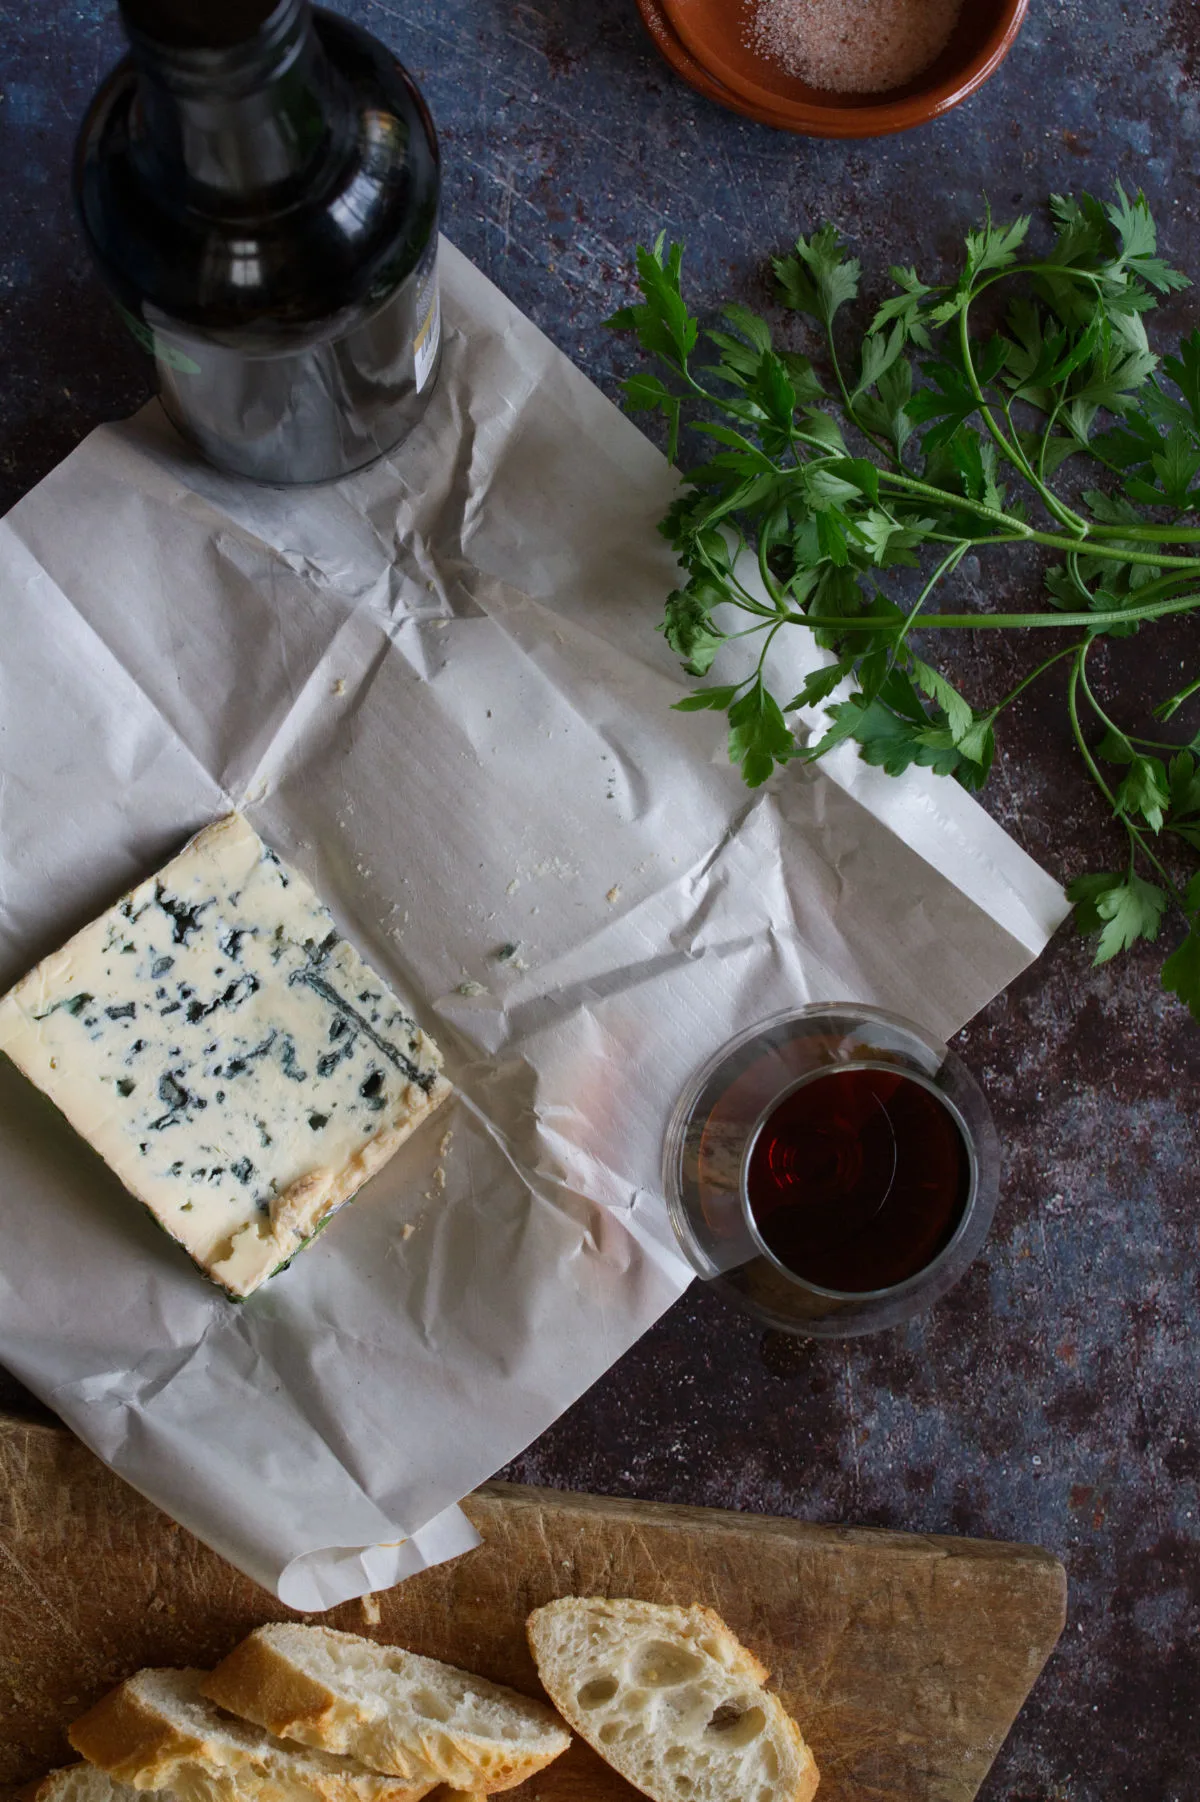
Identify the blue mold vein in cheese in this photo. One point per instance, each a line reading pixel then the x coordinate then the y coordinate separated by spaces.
pixel 226 1052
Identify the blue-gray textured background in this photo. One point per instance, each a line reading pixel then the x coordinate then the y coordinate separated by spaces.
pixel 1053 1396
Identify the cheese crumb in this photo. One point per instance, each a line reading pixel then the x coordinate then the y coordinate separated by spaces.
pixel 614 893
pixel 339 687
pixel 470 987
pixel 444 1147
pixel 408 1231
pixel 439 1176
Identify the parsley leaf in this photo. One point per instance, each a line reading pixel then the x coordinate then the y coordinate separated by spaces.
pixel 1134 224
pixel 816 485
pixel 1122 909
pixel 1144 791
pixel 759 736
pixel 819 278
pixel 690 629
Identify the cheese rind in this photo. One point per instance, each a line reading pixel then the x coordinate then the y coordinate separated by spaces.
pixel 226 1052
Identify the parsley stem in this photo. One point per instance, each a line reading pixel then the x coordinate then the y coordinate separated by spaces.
pixel 944 499
pixel 766 647
pixel 1148 534
pixel 1175 701
pixel 1097 620
pixel 881 444
pixel 1165 585
pixel 1071 564
pixel 1136 836
pixel 1019 533
pixel 1077 731
pixel 1153 744
pixel 1115 554
pixel 1026 681
pixel 1042 269
pixel 1012 451
pixel 1047 434
pixel 1092 702
pixel 768 580
pixel 946 567
pixel 748 602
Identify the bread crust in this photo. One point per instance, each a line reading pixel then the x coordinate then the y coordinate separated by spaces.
pixel 130 1739
pixel 134 1741
pixel 699 1625
pixel 260 1686
pixel 263 1684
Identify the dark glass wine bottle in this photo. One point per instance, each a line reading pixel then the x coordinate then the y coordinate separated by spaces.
pixel 258 182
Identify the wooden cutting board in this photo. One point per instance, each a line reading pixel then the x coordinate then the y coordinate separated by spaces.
pixel 905 1659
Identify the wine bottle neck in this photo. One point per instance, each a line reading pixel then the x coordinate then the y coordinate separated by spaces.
pixel 240 117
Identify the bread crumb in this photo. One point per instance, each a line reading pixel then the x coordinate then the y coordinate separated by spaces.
pixel 513 886
pixel 370 1609
pixel 339 687
pixel 444 1147
pixel 614 893
pixel 407 1231
pixel 439 1176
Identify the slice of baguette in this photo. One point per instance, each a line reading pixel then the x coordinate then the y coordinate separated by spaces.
pixel 157 1731
pixel 85 1783
pixel 389 1708
pixel 671 1699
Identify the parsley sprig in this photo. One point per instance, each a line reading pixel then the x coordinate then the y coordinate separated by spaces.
pixel 942 438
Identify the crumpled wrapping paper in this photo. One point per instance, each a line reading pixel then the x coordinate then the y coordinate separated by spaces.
pixel 435 687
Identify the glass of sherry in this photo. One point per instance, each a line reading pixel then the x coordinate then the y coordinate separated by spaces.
pixel 835 1170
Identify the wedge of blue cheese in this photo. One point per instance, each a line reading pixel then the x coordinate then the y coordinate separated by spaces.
pixel 226 1052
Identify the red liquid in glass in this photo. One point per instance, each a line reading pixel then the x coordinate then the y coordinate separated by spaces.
pixel 859 1179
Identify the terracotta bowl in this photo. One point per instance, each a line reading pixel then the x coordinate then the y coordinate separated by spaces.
pixel 705 42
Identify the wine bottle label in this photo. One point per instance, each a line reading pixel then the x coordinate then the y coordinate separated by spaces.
pixel 429 329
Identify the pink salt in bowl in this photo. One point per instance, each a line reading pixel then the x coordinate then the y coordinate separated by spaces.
pixel 744 53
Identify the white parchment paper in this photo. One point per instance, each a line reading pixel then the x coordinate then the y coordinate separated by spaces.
pixel 436 688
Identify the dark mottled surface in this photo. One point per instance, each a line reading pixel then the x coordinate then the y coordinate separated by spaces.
pixel 1053 1396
